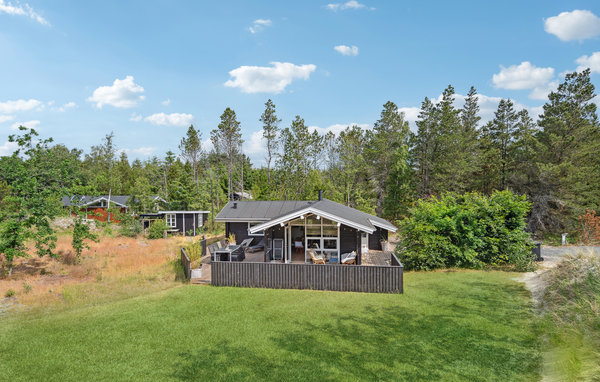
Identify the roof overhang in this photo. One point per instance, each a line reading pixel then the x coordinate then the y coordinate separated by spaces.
pixel 309 210
pixel 99 200
pixel 240 220
pixel 389 227
pixel 183 212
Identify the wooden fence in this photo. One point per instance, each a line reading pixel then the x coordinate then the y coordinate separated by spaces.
pixel 187 264
pixel 347 278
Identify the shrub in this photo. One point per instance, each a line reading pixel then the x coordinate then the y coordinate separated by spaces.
pixel 156 229
pixel 131 228
pixel 590 227
pixel 9 293
pixel 469 231
pixel 26 287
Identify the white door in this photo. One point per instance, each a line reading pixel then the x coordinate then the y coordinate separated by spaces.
pixel 364 242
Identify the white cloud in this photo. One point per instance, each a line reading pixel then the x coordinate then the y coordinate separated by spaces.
pixel 166 102
pixel 173 119
pixel 522 76
pixel 19 105
pixel 30 124
pixel 592 62
pixel 541 92
pixel 411 114
pixel 141 151
pixel 8 148
pixel 122 94
pixel 337 128
pixel 135 117
pixel 259 24
pixel 575 25
pixel 6 118
pixel 255 145
pixel 65 107
pixel 21 10
pixel 346 50
pixel 262 79
pixel 352 4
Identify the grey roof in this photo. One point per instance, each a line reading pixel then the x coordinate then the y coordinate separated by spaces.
pixel 259 210
pixel 266 211
pixel 68 201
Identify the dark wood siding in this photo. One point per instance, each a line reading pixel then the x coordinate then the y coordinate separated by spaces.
pixel 348 242
pixel 376 237
pixel 240 230
pixel 356 278
pixel 189 223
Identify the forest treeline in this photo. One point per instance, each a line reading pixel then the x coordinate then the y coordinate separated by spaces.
pixel 553 161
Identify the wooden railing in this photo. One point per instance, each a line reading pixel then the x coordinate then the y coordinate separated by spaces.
pixel 187 264
pixel 347 278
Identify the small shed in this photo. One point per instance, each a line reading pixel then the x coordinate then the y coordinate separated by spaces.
pixel 187 223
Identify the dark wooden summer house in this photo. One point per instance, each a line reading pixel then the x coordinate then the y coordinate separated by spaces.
pixel 293 230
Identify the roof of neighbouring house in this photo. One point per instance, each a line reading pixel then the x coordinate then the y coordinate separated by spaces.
pixel 269 213
pixel 86 200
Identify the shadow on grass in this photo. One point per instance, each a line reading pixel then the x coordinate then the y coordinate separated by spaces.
pixel 467 337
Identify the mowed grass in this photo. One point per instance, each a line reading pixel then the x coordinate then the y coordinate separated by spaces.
pixel 464 325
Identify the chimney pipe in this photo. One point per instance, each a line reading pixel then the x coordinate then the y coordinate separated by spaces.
pixel 320 194
pixel 234 205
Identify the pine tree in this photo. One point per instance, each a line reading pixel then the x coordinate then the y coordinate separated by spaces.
pixel 228 138
pixel 270 132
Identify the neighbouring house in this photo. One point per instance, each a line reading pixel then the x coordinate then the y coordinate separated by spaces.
pixel 187 223
pixel 96 207
pixel 290 228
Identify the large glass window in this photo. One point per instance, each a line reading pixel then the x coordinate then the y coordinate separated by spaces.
pixel 321 234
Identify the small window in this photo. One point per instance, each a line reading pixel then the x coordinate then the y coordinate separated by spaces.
pixel 170 218
pixel 259 233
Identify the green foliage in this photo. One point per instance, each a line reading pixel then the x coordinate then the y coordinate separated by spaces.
pixel 129 226
pixel 156 229
pixel 468 231
pixel 10 293
pixel 81 233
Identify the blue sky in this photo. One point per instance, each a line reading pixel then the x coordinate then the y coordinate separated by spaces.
pixel 77 70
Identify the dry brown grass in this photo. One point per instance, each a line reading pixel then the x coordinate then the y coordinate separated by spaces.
pixel 112 268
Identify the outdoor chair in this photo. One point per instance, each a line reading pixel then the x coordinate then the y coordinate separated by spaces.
pixel 316 259
pixel 258 247
pixel 348 258
pixel 246 243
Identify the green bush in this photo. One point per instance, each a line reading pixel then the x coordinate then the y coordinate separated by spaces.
pixel 131 228
pixel 156 229
pixel 468 231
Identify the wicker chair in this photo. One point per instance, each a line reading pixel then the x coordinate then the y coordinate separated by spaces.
pixel 316 259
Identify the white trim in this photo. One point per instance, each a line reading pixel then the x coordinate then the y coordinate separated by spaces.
pixel 240 220
pixel 254 234
pixel 105 199
pixel 382 225
pixel 315 211
pixel 183 212
pixel 168 222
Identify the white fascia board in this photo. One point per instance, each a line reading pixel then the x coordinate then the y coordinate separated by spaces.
pixel 309 210
pixel 385 226
pixel 103 198
pixel 240 220
pixel 183 212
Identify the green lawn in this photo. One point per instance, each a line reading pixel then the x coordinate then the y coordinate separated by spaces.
pixel 447 326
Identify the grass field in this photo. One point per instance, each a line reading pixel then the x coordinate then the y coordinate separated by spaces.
pixel 447 326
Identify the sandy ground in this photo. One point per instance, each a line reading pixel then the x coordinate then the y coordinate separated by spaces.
pixel 534 281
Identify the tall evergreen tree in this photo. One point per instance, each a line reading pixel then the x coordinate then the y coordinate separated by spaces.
pixel 228 138
pixel 270 132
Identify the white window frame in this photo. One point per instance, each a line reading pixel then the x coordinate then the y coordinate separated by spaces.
pixel 171 220
pixel 259 233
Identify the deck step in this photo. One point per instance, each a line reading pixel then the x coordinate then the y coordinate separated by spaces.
pixel 200 281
